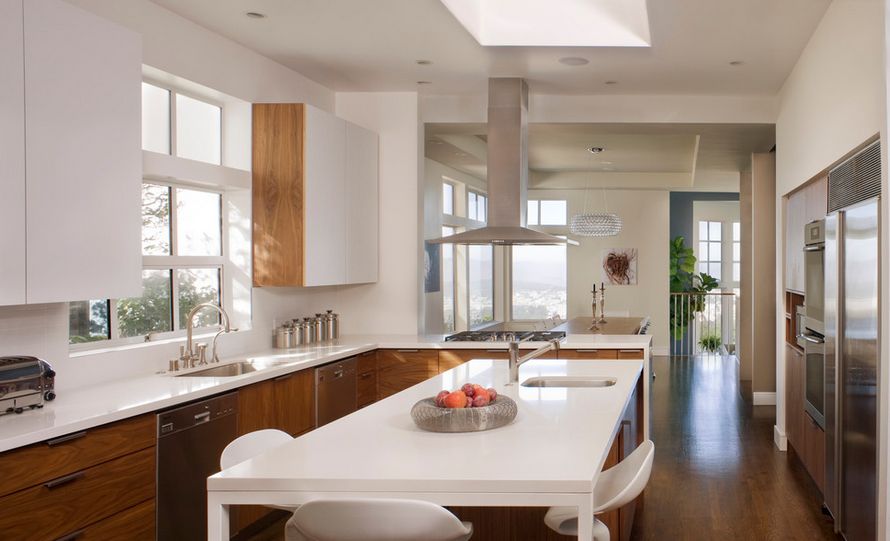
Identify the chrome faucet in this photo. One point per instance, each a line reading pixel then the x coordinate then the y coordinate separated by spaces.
pixel 516 361
pixel 189 356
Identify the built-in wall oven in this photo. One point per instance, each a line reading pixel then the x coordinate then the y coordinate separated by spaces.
pixel 813 332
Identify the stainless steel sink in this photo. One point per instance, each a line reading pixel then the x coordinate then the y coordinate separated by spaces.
pixel 569 381
pixel 222 371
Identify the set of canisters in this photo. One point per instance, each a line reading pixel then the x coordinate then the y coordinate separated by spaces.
pixel 309 330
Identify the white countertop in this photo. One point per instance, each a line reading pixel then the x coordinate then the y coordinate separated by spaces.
pixel 558 442
pixel 88 407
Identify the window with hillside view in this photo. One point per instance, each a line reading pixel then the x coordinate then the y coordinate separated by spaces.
pixel 539 282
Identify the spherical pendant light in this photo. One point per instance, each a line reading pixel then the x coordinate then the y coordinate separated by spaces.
pixel 595 225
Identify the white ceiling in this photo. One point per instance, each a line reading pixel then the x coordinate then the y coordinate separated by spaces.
pixel 649 156
pixel 365 45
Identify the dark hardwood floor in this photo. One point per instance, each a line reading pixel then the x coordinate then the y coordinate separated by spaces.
pixel 717 473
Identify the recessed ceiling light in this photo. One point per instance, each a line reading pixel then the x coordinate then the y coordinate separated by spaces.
pixel 424 82
pixel 611 82
pixel 424 62
pixel 255 15
pixel 573 61
pixel 736 62
pixel 595 150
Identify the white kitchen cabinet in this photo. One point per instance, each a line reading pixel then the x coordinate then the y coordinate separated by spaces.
pixel 362 205
pixel 12 154
pixel 71 185
pixel 326 201
pixel 795 218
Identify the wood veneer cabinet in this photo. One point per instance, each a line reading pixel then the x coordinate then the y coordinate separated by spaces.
pixel 366 386
pixel 315 203
pixel 804 436
pixel 601 354
pixel 94 482
pixel 398 369
pixel 286 403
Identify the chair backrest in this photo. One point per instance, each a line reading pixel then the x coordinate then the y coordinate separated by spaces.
pixel 250 445
pixel 374 520
pixel 622 483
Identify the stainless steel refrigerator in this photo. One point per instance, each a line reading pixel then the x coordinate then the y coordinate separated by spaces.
pixel 852 353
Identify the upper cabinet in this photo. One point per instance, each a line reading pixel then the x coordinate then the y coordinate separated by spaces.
pixel 802 207
pixel 314 198
pixel 72 163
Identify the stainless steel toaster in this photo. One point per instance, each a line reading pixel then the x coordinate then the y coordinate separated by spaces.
pixel 25 382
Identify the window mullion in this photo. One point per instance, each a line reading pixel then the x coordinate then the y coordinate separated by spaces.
pixel 173 142
pixel 114 332
pixel 174 298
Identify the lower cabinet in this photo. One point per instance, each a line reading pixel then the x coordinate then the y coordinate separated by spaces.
pixel 601 354
pixel 450 358
pixel 366 386
pixel 98 483
pixel 398 369
pixel 804 435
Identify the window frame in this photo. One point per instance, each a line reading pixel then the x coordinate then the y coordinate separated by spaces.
pixel 511 282
pixel 478 194
pixel 470 325
pixel 453 198
pixel 537 204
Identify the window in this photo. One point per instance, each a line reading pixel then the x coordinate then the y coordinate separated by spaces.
pixel 182 249
pixel 539 282
pixel 481 284
pixel 736 251
pixel 710 248
pixel 448 308
pixel 448 198
pixel 477 206
pixel 546 212
pixel 181 125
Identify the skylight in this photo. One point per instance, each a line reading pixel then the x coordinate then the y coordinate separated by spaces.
pixel 554 23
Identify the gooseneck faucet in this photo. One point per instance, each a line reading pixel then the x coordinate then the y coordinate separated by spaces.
pixel 189 355
pixel 516 361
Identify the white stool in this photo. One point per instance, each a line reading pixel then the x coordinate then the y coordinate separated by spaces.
pixel 250 445
pixel 370 519
pixel 615 487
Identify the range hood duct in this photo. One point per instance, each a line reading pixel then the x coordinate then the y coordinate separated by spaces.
pixel 507 171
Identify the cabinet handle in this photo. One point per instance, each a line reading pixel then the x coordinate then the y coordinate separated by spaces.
pixel 495 350
pixel 64 439
pixel 407 350
pixel 587 350
pixel 55 483
pixel 366 375
pixel 71 536
pixel 284 377
pixel 630 351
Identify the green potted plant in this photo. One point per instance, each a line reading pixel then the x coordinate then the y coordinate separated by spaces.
pixel 684 279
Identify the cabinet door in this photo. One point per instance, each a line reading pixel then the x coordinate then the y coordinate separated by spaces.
pixel 795 219
pixel 816 196
pixel 325 205
pixel 83 155
pixel 256 407
pixel 794 399
pixel 12 156
pixel 398 369
pixel 450 358
pixel 362 205
pixel 295 402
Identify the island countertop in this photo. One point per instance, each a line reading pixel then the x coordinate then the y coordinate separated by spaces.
pixel 558 442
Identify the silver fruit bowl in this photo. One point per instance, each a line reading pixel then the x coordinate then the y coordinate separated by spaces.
pixel 428 416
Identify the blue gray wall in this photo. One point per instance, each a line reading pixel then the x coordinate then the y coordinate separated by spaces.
pixel 681 210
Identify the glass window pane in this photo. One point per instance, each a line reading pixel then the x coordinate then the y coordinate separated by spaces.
pixel 155 119
pixel 714 252
pixel 736 251
pixel 539 282
pixel 482 208
pixel 480 284
pixel 198 130
pixel 714 230
pixel 447 198
pixel 471 205
pixel 702 251
pixel 88 321
pixel 702 230
pixel 198 222
pixel 736 272
pixel 532 214
pixel 448 281
pixel 703 267
pixel 195 287
pixel 736 231
pixel 714 270
pixel 553 212
pixel 155 219
pixel 153 311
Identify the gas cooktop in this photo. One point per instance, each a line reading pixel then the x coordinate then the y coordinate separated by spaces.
pixel 505 336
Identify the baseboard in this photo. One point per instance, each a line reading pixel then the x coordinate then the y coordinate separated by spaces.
pixel 779 438
pixel 764 399
pixel 662 351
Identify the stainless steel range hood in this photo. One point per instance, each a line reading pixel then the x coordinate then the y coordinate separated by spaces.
pixel 507 171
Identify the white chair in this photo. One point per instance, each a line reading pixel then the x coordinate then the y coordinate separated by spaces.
pixel 615 487
pixel 250 445
pixel 375 520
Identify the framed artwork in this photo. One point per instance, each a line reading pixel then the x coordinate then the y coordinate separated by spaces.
pixel 620 266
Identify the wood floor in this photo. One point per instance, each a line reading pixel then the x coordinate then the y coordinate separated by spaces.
pixel 717 474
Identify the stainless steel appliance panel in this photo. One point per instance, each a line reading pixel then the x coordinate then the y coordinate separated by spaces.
pixel 190 440
pixel 814 381
pixel 859 369
pixel 335 391
pixel 814 277
pixel 830 319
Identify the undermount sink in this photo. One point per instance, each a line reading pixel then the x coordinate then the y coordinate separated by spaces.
pixel 222 371
pixel 569 381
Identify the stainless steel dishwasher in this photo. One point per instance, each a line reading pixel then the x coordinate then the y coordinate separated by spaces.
pixel 335 391
pixel 190 441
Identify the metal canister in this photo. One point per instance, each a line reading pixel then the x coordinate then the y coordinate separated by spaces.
pixel 320 329
pixel 332 324
pixel 309 327
pixel 285 337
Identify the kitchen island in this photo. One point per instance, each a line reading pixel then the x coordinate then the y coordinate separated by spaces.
pixel 550 455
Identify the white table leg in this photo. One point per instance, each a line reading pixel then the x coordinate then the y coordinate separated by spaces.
pixel 585 520
pixel 217 519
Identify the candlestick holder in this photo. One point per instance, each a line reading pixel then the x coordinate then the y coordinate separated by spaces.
pixel 593 326
pixel 602 319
